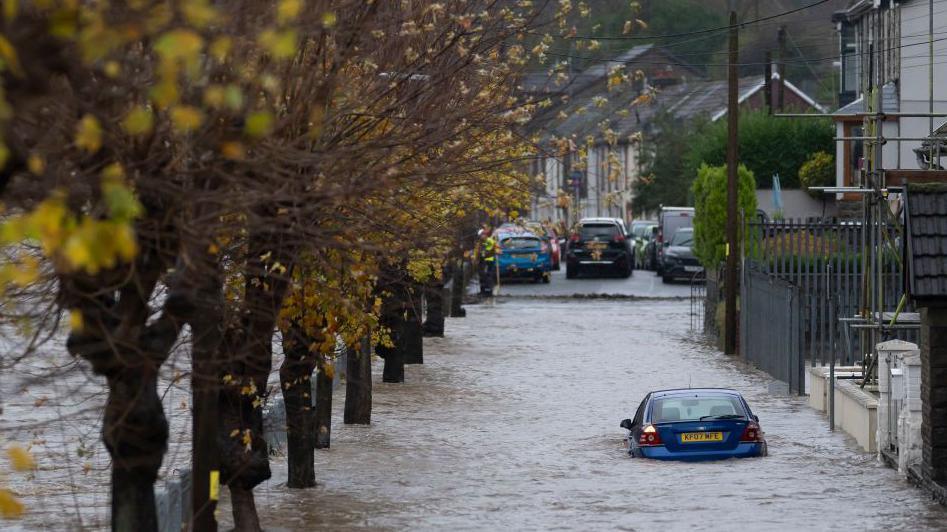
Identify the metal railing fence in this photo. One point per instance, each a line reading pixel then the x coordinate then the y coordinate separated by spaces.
pixel 771 328
pixel 825 261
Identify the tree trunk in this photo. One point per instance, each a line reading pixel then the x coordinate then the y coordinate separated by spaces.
pixel 296 384
pixel 244 509
pixel 135 432
pixel 119 344
pixel 358 384
pixel 434 296
pixel 247 356
pixel 206 336
pixel 323 419
pixel 133 501
pixel 412 341
pixel 394 355
pixel 391 288
pixel 457 289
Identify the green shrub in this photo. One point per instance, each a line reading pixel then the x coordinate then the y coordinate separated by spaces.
pixel 768 145
pixel 817 171
pixel 710 206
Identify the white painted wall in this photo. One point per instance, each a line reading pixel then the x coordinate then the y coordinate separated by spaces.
pixel 914 83
pixel 796 204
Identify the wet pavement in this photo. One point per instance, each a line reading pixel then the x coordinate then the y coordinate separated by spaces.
pixel 512 423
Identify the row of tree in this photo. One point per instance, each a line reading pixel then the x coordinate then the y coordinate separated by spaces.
pixel 220 171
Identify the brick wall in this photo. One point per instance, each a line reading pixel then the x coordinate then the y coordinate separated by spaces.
pixel 933 344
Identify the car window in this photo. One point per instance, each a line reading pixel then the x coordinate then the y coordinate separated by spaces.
pixel 639 415
pixel 588 231
pixel 683 238
pixel 519 242
pixel 689 408
pixel 673 222
pixel 642 231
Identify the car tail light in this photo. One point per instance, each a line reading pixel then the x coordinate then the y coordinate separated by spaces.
pixel 619 238
pixel 574 237
pixel 752 433
pixel 649 437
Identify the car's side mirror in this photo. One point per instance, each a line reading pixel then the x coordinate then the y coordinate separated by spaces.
pixel 756 418
pixel 667 244
pixel 626 424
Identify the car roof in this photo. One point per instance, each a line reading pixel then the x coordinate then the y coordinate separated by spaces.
pixel 505 233
pixel 698 391
pixel 615 221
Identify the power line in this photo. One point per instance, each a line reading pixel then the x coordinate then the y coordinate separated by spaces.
pixel 695 32
pixel 566 54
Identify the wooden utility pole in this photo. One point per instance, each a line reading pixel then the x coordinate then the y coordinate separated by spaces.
pixel 768 83
pixel 781 69
pixel 733 110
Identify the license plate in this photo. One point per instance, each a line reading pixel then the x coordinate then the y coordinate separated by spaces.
pixel 691 268
pixel 696 437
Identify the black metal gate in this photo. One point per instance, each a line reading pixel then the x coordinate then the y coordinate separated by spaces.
pixel 771 333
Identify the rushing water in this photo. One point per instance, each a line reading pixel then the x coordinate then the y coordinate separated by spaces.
pixel 512 423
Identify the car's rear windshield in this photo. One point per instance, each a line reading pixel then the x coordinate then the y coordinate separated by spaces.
pixel 642 231
pixel 598 230
pixel 690 408
pixel 520 242
pixel 683 237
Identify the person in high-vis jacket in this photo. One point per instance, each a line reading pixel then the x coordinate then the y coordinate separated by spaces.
pixel 487 252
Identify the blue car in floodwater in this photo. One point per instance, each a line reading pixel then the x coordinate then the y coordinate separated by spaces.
pixel 695 424
pixel 523 255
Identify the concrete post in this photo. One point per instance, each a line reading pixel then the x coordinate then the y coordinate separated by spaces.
pixel 889 400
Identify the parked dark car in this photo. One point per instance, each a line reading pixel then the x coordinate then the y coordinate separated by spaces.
pixel 695 424
pixel 599 244
pixel 678 260
pixel 670 219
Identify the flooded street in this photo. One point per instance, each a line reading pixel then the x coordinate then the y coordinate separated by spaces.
pixel 512 423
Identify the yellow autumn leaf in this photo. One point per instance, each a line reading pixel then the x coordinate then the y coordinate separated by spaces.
pixel 259 124
pixel 76 323
pixel 138 121
pixel 124 241
pixel 78 254
pixel 280 44
pixel 113 172
pixel 233 97
pixel 288 10
pixel 10 506
pixel 112 69
pixel 220 48
pixel 10 8
pixel 186 118
pixel 165 93
pixel 9 57
pixel 36 164
pixel 89 134
pixel 329 369
pixel 179 44
pixel 199 13
pixel 214 96
pixel 20 458
pixel 329 19
pixel 233 151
